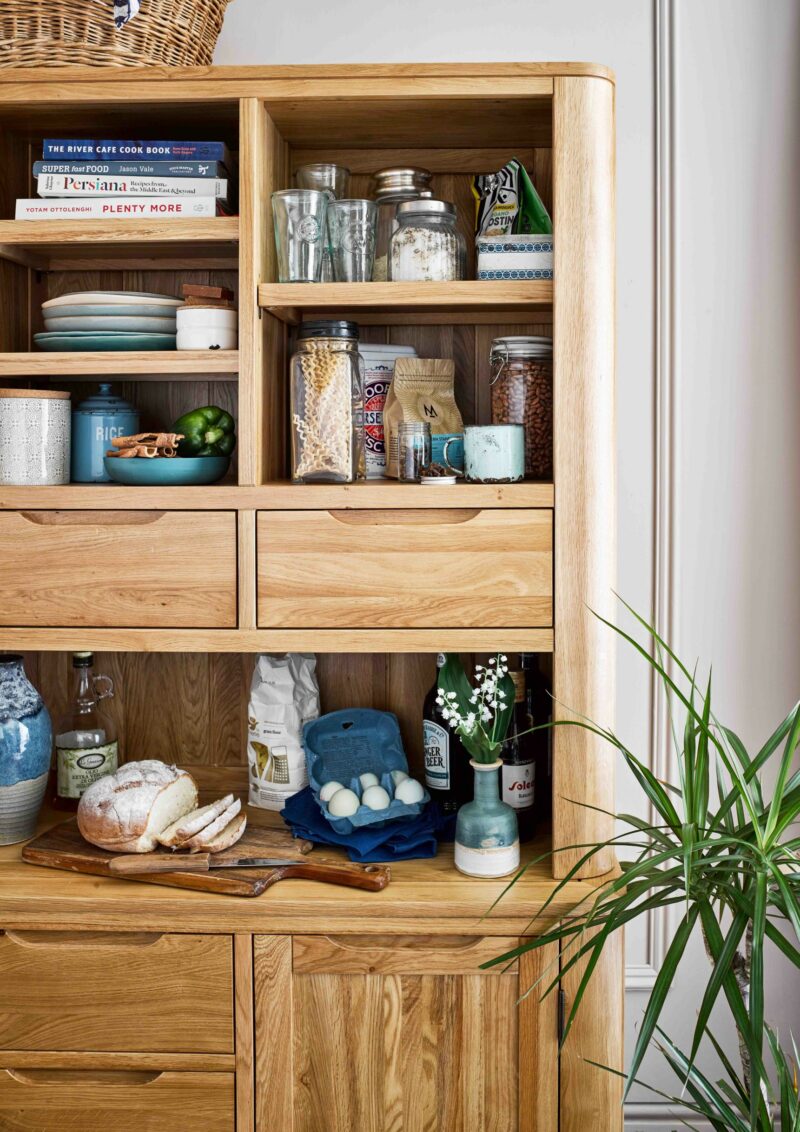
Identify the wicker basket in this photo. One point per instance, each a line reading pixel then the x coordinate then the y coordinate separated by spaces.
pixel 44 33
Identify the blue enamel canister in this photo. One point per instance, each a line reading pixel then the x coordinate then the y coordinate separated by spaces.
pixel 95 423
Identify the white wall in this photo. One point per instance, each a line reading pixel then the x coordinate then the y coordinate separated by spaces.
pixel 734 376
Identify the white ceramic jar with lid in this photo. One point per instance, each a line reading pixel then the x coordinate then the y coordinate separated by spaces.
pixel 427 247
pixel 391 187
pixel 34 437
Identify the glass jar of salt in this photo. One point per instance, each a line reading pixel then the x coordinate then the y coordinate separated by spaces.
pixel 427 246
pixel 391 187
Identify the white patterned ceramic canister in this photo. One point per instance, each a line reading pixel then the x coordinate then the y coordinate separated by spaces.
pixel 34 437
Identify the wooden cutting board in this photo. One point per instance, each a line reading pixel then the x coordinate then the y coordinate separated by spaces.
pixel 63 848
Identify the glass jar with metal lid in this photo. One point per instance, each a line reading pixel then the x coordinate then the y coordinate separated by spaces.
pixel 427 246
pixel 327 404
pixel 522 393
pixel 391 187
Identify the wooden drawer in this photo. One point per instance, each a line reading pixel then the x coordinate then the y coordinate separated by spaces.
pixel 52 1100
pixel 102 991
pixel 448 568
pixel 132 569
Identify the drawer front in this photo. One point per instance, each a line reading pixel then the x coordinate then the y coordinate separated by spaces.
pixel 448 568
pixel 52 1100
pixel 128 992
pixel 132 569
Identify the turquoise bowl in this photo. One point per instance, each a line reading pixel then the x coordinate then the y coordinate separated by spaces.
pixel 164 471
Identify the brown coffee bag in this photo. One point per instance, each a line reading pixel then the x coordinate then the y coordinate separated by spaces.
pixel 422 389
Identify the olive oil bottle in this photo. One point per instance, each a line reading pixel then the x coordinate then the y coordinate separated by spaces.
pixel 85 738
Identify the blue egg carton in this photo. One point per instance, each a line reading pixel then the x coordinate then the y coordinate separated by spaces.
pixel 343 745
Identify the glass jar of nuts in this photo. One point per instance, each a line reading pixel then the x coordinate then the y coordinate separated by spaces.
pixel 522 393
pixel 327 404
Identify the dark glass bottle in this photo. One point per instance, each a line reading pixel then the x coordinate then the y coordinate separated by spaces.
pixel 447 770
pixel 518 775
pixel 85 738
pixel 540 710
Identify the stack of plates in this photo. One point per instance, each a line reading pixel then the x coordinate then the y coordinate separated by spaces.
pixel 109 320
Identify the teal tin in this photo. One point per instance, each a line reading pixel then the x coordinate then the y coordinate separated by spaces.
pixel 95 423
pixel 494 453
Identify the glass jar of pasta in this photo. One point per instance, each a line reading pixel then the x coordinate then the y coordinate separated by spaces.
pixel 327 404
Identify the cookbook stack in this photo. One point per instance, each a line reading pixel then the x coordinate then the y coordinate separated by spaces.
pixel 80 179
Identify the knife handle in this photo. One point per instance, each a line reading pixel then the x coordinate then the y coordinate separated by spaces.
pixel 371 878
pixel 132 864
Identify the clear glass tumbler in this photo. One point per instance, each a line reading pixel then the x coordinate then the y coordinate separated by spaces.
pixel 299 217
pixel 328 178
pixel 351 231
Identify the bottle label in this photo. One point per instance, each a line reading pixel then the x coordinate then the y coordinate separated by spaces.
pixel 518 782
pixel 437 755
pixel 79 767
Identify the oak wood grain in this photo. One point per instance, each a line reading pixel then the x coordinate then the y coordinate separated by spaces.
pixel 584 465
pixel 444 568
pixel 272 964
pixel 93 1101
pixel 396 955
pixel 113 994
pixel 538 1042
pixel 244 1032
pixel 139 568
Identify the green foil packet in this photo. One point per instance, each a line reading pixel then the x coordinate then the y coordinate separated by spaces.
pixel 506 203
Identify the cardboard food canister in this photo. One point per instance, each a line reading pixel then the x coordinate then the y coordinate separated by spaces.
pixel 378 371
pixel 34 437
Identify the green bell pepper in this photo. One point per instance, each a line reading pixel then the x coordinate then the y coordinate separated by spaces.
pixel 209 431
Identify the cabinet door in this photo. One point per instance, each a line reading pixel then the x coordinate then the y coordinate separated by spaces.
pixel 399 1034
pixel 438 568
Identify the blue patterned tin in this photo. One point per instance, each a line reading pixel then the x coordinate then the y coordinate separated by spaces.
pixel 515 257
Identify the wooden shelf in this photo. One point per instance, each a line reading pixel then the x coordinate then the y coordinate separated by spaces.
pixel 64 245
pixel 424 896
pixel 275 497
pixel 389 303
pixel 145 365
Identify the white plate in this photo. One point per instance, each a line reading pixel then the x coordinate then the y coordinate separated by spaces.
pixel 135 298
pixel 136 323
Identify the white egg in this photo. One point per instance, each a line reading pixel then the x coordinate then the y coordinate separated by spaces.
pixel 398 776
pixel 375 797
pixel 343 804
pixel 328 790
pixel 369 779
pixel 409 791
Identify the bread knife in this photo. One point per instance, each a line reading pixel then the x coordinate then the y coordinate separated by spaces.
pixel 372 877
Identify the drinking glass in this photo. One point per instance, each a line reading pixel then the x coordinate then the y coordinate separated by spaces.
pixel 328 178
pixel 351 231
pixel 299 218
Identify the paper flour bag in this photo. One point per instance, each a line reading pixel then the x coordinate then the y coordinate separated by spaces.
pixel 283 696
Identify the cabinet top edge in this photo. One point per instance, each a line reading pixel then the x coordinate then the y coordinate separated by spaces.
pixel 56 76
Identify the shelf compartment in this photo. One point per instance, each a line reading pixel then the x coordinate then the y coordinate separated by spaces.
pixel 370 494
pixel 67 245
pixel 397 303
pixel 144 365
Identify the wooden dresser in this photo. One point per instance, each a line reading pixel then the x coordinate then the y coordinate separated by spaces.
pixel 312 1008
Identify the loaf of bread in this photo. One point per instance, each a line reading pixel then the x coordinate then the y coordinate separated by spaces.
pixel 190 824
pixel 126 811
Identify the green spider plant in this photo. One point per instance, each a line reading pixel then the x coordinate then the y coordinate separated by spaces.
pixel 720 847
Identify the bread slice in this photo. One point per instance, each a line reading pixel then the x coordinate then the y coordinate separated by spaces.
pixel 227 836
pixel 191 823
pixel 200 842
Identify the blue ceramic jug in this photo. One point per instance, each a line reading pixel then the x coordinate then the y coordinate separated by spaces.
pixel 25 742
pixel 95 423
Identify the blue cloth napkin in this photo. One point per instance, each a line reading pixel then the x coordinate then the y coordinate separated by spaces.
pixel 397 841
